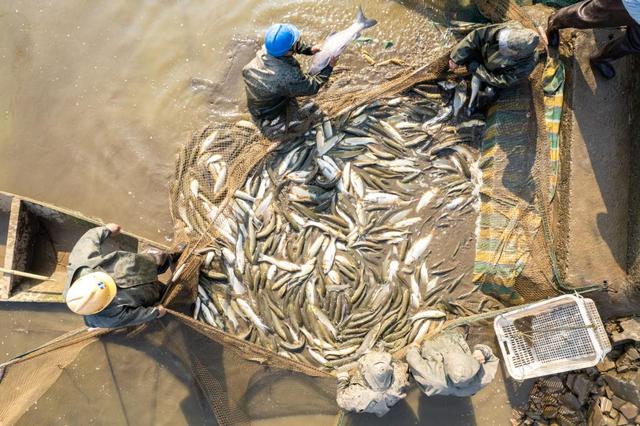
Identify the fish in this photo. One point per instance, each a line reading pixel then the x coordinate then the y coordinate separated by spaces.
pixel 475 88
pixel 428 314
pixel 460 97
pixel 417 249
pixel 323 246
pixel 381 198
pixel 280 263
pixel 251 315
pixel 442 116
pixel 329 256
pixel 426 198
pixel 415 293
pixel 194 187
pixel 335 43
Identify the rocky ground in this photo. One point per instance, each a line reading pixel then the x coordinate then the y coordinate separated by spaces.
pixel 605 395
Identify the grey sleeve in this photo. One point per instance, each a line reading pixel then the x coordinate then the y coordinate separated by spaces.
pixel 353 397
pixel 485 375
pixel 429 373
pixel 88 246
pixel 490 367
pixel 307 85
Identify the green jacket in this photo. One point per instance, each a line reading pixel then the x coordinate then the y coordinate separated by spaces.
pixel 134 274
pixel 480 48
pixel 271 82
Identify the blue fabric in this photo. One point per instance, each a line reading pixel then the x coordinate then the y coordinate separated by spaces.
pixel 280 38
pixel 633 7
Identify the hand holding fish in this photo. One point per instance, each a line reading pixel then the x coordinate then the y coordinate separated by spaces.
pixel 452 65
pixel 315 49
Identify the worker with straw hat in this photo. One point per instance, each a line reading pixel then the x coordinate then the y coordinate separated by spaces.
pixel 115 289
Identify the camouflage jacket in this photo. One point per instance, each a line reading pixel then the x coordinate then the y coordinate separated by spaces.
pixel 135 275
pixel 271 82
pixel 480 48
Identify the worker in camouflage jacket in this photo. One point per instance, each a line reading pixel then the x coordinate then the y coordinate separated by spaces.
pixel 116 289
pixel 273 79
pixel 445 365
pixel 498 56
pixel 373 385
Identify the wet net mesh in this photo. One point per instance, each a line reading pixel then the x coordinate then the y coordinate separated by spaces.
pixel 213 170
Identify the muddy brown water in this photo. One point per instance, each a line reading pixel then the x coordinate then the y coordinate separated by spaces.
pixel 97 97
pixel 137 380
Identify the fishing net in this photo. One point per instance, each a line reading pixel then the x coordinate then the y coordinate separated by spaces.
pixel 557 3
pixel 219 174
pixel 27 378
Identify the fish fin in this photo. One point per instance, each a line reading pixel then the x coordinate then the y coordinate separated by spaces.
pixel 361 19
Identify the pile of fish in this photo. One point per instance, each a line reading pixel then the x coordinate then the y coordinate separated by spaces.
pixel 326 251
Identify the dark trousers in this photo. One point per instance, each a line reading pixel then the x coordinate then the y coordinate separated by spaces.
pixel 601 14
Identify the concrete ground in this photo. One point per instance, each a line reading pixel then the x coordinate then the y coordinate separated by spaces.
pixel 597 158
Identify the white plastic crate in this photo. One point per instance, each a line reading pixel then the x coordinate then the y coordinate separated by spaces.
pixel 552 336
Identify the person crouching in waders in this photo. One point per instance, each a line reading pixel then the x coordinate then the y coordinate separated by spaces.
pixel 372 385
pixel 273 79
pixel 445 365
pixel 117 289
pixel 498 56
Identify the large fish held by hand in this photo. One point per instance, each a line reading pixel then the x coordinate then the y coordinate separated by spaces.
pixel 333 45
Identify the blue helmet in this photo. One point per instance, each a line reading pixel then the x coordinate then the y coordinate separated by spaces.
pixel 280 38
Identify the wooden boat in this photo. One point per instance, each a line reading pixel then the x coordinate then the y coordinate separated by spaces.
pixel 35 241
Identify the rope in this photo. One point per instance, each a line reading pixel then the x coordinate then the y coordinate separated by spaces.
pixel 60 342
pixel 248 350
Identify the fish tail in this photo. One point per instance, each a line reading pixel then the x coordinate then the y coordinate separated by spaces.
pixel 361 19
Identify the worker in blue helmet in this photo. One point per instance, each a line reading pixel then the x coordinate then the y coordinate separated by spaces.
pixel 273 79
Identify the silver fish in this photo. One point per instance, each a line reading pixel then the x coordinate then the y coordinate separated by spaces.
pixel 460 97
pixel 442 116
pixel 475 88
pixel 335 44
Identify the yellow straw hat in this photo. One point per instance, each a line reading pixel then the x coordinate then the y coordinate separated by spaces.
pixel 91 293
